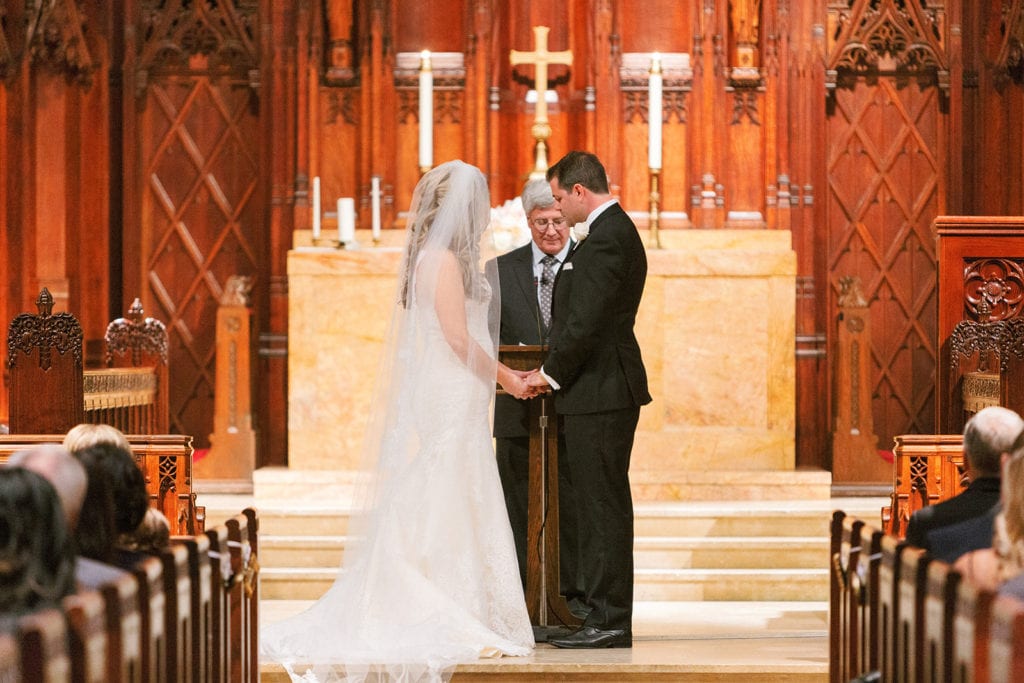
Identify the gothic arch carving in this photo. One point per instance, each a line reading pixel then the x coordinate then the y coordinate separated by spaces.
pixel 1009 61
pixel 222 30
pixel 890 37
pixel 56 40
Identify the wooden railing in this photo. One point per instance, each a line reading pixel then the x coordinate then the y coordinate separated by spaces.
pixel 928 469
pixel 166 463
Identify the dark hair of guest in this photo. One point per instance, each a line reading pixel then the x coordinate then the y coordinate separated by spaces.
pixel 115 500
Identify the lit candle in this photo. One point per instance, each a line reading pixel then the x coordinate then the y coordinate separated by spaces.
pixel 375 207
pixel 426 111
pixel 654 114
pixel 316 207
pixel 346 219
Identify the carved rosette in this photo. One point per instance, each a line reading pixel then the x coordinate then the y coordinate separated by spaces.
pixel 888 37
pixel 993 289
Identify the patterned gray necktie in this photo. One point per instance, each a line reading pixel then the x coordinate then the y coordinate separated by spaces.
pixel 547 283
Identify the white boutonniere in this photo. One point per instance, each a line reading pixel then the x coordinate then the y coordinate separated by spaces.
pixel 579 231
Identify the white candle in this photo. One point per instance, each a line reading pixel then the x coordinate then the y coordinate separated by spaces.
pixel 426 111
pixel 346 219
pixel 654 114
pixel 316 207
pixel 375 207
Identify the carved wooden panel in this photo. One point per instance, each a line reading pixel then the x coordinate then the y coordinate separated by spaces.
pixel 884 177
pixel 202 221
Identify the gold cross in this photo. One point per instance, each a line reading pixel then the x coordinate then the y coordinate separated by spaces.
pixel 540 58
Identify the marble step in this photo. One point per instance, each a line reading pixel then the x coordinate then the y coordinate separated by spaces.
pixel 811 584
pixel 670 552
pixel 742 518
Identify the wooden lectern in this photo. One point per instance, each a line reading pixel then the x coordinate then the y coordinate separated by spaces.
pixel 546 606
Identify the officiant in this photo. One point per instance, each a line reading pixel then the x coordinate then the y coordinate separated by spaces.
pixel 526 276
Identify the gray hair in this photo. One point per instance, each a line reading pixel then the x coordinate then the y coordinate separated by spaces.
pixel 990 433
pixel 56 464
pixel 537 195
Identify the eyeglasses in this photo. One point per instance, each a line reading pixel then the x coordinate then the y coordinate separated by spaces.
pixel 543 223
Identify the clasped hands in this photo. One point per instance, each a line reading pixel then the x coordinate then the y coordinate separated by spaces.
pixel 528 384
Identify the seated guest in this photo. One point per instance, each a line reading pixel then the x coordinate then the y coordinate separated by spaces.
pixel 85 435
pixel 149 538
pixel 115 502
pixel 37 559
pixel 67 475
pixel 987 437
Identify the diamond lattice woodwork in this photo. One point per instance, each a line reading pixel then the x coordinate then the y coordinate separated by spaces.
pixel 201 223
pixel 883 174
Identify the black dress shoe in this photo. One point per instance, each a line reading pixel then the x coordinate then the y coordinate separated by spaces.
pixel 591 637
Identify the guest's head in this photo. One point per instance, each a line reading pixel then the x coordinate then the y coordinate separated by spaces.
pixel 85 435
pixel 37 558
pixel 150 536
pixel 548 228
pixel 579 185
pixel 55 464
pixel 115 502
pixel 988 437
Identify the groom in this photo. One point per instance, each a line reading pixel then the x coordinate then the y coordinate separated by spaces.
pixel 599 382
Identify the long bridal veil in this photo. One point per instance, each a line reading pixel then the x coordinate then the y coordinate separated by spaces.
pixel 429 576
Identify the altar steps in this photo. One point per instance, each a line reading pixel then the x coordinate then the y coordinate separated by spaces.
pixel 684 551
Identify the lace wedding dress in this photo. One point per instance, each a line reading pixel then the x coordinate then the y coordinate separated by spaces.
pixel 431 578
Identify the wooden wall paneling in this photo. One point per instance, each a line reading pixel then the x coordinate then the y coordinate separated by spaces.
pixel 886 169
pixel 603 91
pixel 808 152
pixel 481 54
pixel 278 180
pixel 201 216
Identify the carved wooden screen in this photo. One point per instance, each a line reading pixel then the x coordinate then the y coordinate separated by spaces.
pixel 201 223
pixel 883 175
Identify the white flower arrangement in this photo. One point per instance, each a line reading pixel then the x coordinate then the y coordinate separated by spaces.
pixel 508 226
pixel 579 231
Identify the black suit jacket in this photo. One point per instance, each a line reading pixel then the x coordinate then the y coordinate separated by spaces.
pixel 594 354
pixel 977 500
pixel 520 324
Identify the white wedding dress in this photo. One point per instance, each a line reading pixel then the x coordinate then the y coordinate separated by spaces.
pixel 432 579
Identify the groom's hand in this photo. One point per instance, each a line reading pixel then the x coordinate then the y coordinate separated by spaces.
pixel 537 381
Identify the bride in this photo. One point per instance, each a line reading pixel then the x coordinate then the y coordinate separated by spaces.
pixel 429 577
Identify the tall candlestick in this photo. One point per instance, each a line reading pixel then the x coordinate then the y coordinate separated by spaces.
pixel 426 112
pixel 316 207
pixel 654 114
pixel 375 207
pixel 346 220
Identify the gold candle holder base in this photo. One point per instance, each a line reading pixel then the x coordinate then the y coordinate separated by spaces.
pixel 655 219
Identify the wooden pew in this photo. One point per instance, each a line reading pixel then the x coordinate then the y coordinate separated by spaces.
pixel 1006 643
pixel 42 643
pixel 166 464
pixel 844 628
pixel 124 630
pixel 888 599
pixel 928 469
pixel 152 618
pixel 939 642
pixel 87 637
pixel 197 549
pixel 221 578
pixel 243 596
pixel 972 619
pixel 909 614
pixel 178 623
pixel 865 589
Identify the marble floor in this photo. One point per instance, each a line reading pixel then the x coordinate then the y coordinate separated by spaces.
pixel 673 641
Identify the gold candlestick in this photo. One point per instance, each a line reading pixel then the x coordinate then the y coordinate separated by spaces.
pixel 655 238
